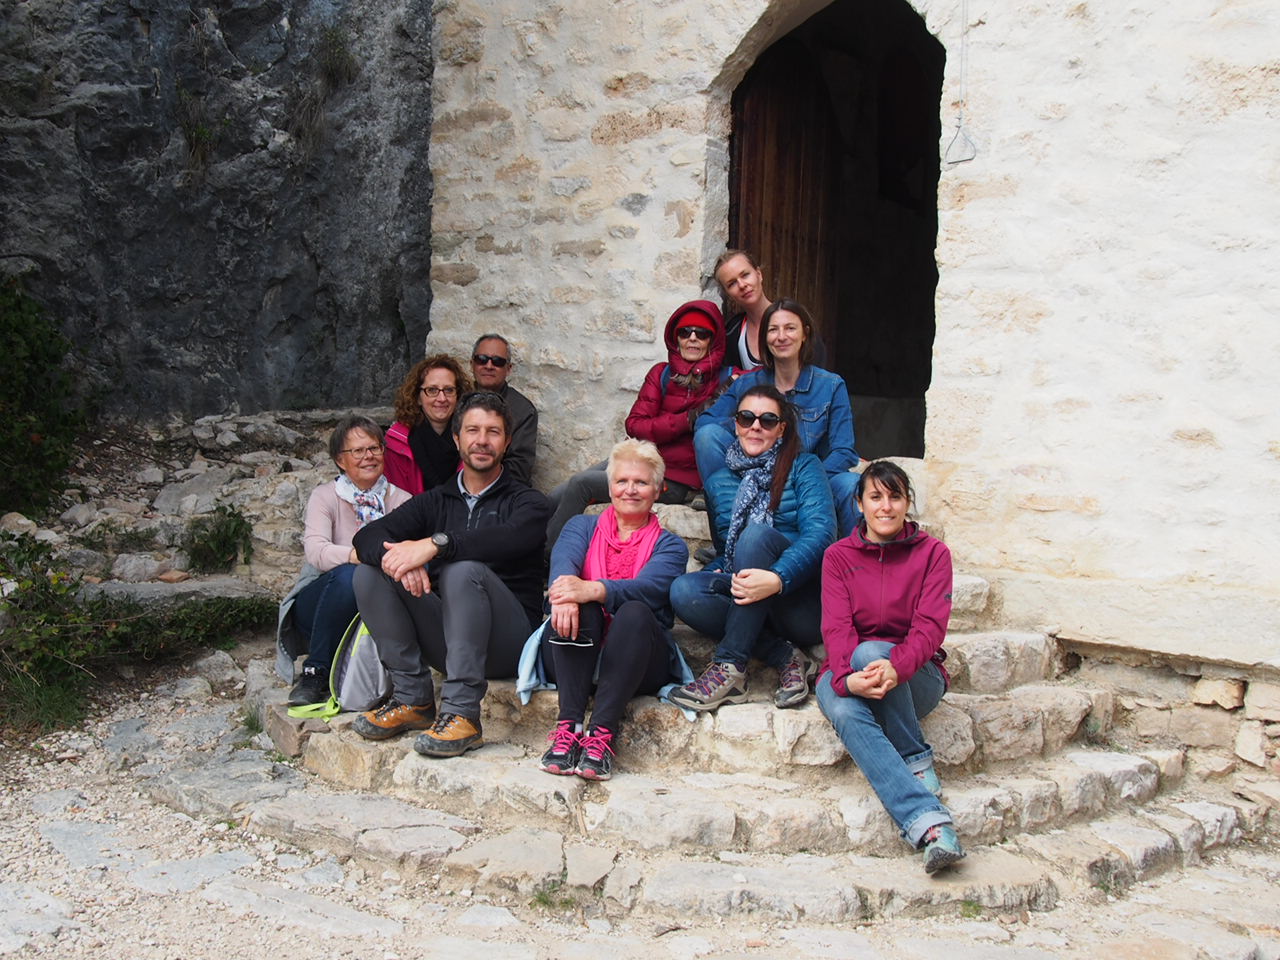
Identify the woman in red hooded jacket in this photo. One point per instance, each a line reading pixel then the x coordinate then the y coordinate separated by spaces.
pixel 669 401
pixel 886 599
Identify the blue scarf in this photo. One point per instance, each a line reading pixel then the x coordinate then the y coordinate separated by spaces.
pixel 751 505
pixel 369 504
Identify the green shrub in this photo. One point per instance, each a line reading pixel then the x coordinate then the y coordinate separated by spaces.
pixel 39 416
pixel 215 542
pixel 52 639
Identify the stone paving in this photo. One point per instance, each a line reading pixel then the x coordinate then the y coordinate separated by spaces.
pixel 170 830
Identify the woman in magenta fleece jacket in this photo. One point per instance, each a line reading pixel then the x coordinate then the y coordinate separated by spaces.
pixel 886 598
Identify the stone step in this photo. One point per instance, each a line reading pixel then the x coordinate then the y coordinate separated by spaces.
pixel 672 848
pixel 988 662
pixel 836 813
pixel 680 841
pixel 966 730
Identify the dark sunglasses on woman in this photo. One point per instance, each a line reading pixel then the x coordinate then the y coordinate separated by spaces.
pixel 698 333
pixel 480 359
pixel 745 418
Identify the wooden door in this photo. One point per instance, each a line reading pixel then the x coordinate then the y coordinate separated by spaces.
pixel 784 181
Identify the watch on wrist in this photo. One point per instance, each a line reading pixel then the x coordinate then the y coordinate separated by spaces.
pixel 441 540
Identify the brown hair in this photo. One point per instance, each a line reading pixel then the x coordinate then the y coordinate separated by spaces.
pixel 729 255
pixel 790 443
pixel 889 475
pixel 408 408
pixel 806 321
pixel 338 439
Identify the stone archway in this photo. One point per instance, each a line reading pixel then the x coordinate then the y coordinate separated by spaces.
pixel 833 183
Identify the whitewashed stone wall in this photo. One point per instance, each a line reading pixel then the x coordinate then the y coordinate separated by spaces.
pixel 1102 438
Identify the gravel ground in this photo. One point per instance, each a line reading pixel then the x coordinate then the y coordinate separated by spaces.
pixel 93 867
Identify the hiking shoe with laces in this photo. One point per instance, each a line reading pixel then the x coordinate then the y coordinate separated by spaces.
pixel 392 719
pixel 596 759
pixel 941 847
pixel 929 777
pixel 561 757
pixel 719 683
pixel 312 687
pixel 451 736
pixel 793 680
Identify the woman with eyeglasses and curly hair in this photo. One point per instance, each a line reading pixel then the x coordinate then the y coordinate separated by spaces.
pixel 420 449
pixel 759 597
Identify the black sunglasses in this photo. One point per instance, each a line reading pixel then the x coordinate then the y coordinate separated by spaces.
pixel 700 333
pixel 745 418
pixel 480 359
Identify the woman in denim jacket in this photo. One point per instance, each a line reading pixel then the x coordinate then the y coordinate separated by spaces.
pixel 759 599
pixel 825 427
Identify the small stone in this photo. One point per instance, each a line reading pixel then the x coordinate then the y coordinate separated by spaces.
pixel 1202 726
pixel 1213 766
pixel 186 688
pixel 1168 762
pixel 1262 701
pixel 150 475
pixel 1228 694
pixel 80 515
pixel 523 859
pixel 218 667
pixel 15 522
pixel 174 576
pixel 1251 743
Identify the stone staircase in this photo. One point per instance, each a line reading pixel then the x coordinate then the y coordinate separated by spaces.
pixel 759 810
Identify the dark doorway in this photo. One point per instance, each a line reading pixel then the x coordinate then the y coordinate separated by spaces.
pixel 833 184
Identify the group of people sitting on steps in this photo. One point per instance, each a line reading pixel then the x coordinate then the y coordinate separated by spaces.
pixel 433 534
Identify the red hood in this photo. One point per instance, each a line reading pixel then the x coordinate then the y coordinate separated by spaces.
pixel 709 365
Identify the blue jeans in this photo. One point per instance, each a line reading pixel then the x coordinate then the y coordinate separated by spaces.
pixel 323 611
pixel 709 446
pixel 765 629
pixel 886 742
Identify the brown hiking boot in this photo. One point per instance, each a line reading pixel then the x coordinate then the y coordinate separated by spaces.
pixel 451 736
pixel 392 719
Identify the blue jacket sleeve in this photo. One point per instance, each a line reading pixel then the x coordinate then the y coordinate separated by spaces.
pixel 722 410
pixel 837 451
pixel 569 552
pixel 802 561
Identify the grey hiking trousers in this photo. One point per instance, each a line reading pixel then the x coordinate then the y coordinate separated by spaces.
pixel 470 627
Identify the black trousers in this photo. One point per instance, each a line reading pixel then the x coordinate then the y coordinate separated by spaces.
pixel 634 659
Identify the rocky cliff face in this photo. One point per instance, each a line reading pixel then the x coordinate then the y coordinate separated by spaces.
pixel 226 204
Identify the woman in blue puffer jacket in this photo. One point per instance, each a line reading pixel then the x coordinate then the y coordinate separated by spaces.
pixel 760 597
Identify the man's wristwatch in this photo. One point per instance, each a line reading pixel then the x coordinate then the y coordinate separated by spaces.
pixel 441 540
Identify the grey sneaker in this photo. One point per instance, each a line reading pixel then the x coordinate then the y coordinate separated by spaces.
pixel 719 683
pixel 794 680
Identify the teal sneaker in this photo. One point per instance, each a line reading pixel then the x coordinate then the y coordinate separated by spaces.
pixel 941 847
pixel 929 777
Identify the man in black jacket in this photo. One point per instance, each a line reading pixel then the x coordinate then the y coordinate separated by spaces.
pixel 453 580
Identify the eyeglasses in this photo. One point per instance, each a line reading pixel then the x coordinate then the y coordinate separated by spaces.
pixel 361 452
pixel 434 392
pixel 746 418
pixel 481 359
pixel 698 333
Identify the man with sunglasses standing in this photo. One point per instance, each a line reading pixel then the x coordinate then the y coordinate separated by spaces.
pixel 491 365
pixel 453 580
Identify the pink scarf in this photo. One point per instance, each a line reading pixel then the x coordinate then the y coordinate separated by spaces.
pixel 610 558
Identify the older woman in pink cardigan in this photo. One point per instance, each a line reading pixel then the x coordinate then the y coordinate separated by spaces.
pixel 322 603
